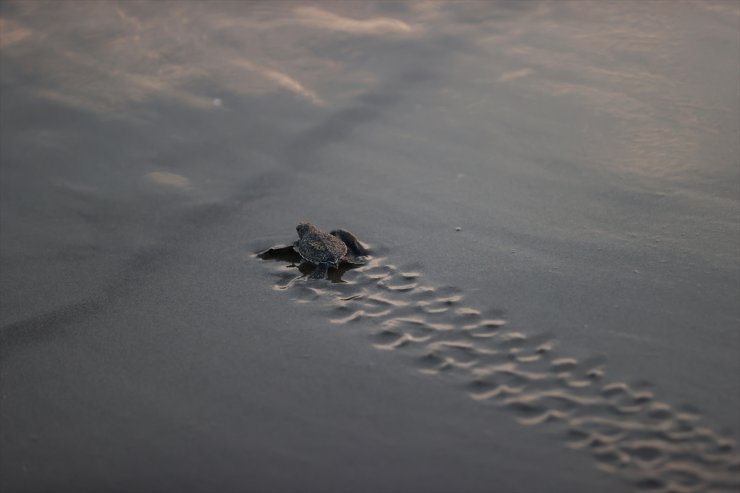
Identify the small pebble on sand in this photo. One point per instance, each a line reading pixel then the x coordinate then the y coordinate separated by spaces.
pixel 458 228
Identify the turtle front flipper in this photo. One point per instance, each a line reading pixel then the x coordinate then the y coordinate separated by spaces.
pixel 295 246
pixel 355 249
pixel 321 271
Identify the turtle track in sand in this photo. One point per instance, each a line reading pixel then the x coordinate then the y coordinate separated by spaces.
pixel 655 446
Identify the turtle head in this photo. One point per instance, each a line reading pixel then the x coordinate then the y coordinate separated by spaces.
pixel 304 228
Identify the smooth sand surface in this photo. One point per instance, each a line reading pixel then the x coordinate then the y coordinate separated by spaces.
pixel 172 387
pixel 549 191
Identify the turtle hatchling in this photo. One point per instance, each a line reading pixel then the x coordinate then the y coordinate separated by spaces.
pixel 327 249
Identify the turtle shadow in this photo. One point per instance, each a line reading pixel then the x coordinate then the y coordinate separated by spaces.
pixel 286 254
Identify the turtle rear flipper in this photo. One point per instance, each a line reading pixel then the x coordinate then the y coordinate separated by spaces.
pixel 355 249
pixel 354 259
pixel 321 271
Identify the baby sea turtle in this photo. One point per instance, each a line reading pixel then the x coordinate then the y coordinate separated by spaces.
pixel 327 249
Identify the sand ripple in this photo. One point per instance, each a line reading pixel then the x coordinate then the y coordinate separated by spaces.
pixel 655 446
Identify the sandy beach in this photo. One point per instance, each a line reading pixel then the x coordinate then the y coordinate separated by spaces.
pixel 549 192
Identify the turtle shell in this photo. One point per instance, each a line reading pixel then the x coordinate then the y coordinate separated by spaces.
pixel 318 247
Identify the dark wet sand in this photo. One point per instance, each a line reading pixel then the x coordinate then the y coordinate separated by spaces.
pixel 577 333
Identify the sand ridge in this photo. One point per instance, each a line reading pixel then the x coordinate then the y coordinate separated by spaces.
pixel 653 445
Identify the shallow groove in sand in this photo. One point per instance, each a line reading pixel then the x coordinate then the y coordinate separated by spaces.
pixel 628 432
